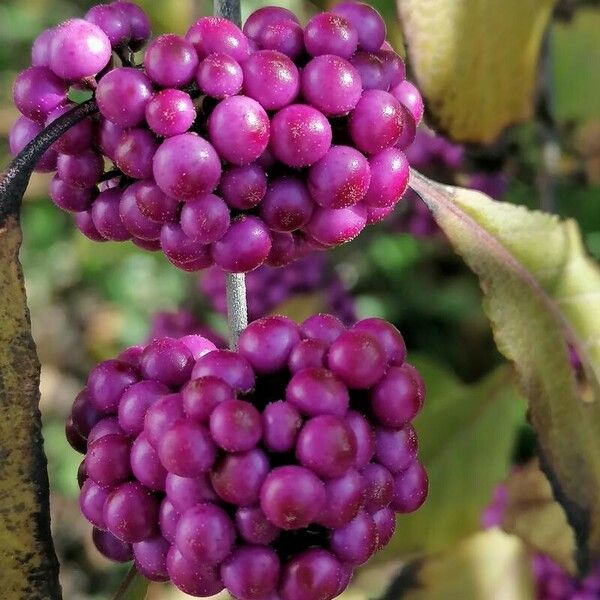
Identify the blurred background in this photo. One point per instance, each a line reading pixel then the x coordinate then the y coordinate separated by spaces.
pixel 89 300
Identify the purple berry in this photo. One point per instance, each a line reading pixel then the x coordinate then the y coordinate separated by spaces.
pixel 334 226
pixel 396 449
pixel 327 446
pixel 254 527
pixel 78 49
pixel 168 361
pixel 122 96
pixel 316 391
pixel 219 76
pixel 107 382
pixel 239 129
pixel 160 415
pixel 271 79
pixel 243 187
pixel 379 487
pixel 131 512
pixel 340 179
pixel 389 178
pixel 331 84
pixel 186 166
pixel 235 425
pixel 91 502
pixel 292 497
pixel 329 33
pixel 410 488
pixel 107 460
pixel 376 122
pixel 205 534
pixel 300 135
pixel 216 34
pixel 281 424
pixel 251 572
pixel 205 219
pixel 237 478
pixel 170 60
pixel 244 247
pixel 111 547
pixel 185 492
pixel 186 449
pixel 170 112
pixel 266 343
pixel 192 577
pixel 344 499
pixel 314 574
pixel 145 464
pixel 357 358
pixel 287 205
pixel 151 558
pixel 355 542
pixel 367 21
pixel 228 366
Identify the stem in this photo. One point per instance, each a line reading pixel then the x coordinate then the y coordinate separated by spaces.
pixel 229 9
pixel 237 310
pixel 235 283
pixel 15 180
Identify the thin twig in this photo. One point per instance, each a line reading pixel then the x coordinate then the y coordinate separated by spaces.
pixel 15 179
pixel 237 309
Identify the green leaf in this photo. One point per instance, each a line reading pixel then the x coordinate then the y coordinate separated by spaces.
pixel 133 587
pixel 475 61
pixel 540 289
pixel 490 564
pixel 466 438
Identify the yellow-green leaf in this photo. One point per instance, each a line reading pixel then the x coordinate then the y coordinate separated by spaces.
pixel 488 565
pixel 466 438
pixel 475 61
pixel 28 564
pixel 532 513
pixel 540 288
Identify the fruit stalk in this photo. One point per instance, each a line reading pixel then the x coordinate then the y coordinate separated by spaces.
pixel 237 308
pixel 230 9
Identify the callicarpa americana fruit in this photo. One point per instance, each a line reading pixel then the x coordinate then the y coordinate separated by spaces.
pixel 224 146
pixel 272 471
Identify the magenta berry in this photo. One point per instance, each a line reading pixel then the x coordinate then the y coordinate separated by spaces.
pixel 319 114
pixel 210 463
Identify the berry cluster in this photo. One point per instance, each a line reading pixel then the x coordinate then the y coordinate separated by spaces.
pixel 271 471
pixel 268 287
pixel 228 147
pixel 551 580
pixel 438 157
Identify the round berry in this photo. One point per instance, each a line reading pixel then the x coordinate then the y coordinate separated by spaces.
pixel 78 49
pixel 170 60
pixel 186 449
pixel 131 512
pixel 340 179
pixel 219 76
pixel 235 425
pixel 186 166
pixel 239 129
pixel 122 96
pixel 292 497
pixel 329 33
pixel 170 112
pixel 205 534
pixel 317 391
pixel 300 135
pixel 327 446
pixel 331 84
pixel 271 78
